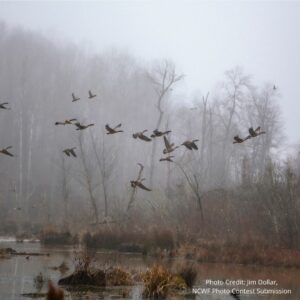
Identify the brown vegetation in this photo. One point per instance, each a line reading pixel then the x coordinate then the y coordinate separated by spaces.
pixel 117 276
pixel 130 241
pixel 51 236
pixel 86 274
pixel 159 282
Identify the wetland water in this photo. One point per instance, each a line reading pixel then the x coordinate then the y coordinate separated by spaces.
pixel 17 275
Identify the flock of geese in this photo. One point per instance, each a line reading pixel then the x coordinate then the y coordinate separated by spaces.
pixel 141 135
pixel 169 147
pixel 252 134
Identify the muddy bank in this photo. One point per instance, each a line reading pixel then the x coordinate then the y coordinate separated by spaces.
pixel 8 252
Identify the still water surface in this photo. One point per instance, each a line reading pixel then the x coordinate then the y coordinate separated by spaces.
pixel 17 275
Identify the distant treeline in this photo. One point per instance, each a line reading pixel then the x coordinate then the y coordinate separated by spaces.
pixel 241 193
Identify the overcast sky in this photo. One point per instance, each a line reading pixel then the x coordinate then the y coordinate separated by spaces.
pixel 203 38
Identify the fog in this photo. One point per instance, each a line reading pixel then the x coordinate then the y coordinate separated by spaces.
pixel 203 38
pixel 219 187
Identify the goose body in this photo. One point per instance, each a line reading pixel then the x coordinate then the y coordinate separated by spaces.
pixel 4 105
pixel 6 152
pixel 66 122
pixel 169 147
pixel 91 95
pixel 157 133
pixel 70 152
pixel 256 132
pixel 141 136
pixel 191 145
pixel 138 183
pixel 74 98
pixel 113 130
pixel 82 127
pixel 238 140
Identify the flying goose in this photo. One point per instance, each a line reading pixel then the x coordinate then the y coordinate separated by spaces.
pixel 238 140
pixel 113 130
pixel 4 151
pixel 141 136
pixel 169 147
pixel 81 126
pixel 91 95
pixel 74 98
pixel 70 152
pixel 138 183
pixel 157 133
pixel 190 144
pixel 66 122
pixel 168 158
pixel 4 105
pixel 256 132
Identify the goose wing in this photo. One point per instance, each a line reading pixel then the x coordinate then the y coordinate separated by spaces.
pixel 157 132
pixel 144 138
pixel 7 153
pixel 66 151
pixel 109 129
pixel 118 126
pixel 194 146
pixel 188 145
pixel 237 139
pixel 167 144
pixel 72 151
pixel 140 185
pixel 252 132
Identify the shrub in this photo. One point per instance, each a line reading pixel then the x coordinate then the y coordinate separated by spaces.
pixel 118 276
pixel 158 282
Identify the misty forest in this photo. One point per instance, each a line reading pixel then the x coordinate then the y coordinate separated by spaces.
pixel 104 151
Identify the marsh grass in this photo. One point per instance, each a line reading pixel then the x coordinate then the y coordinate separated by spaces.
pixel 159 282
pixel 53 236
pixel 129 241
pixel 117 276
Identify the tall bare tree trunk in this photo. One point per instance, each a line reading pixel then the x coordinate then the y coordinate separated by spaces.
pixel 163 79
pixel 88 180
pixel 65 192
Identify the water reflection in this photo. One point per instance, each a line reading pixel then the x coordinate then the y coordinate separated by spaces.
pixel 17 275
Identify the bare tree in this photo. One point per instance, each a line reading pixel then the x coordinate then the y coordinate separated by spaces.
pixel 163 78
pixel 90 186
pixel 65 189
pixel 193 182
pixel 106 166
